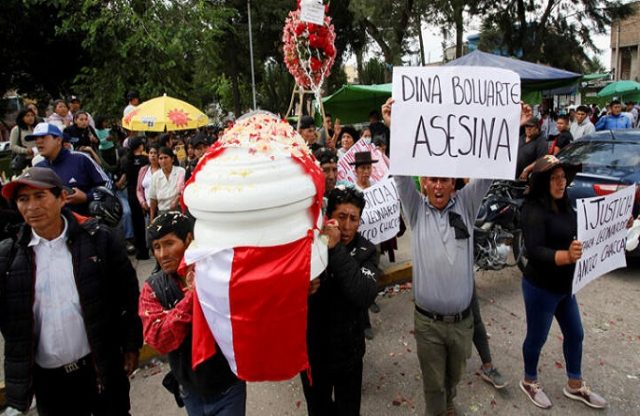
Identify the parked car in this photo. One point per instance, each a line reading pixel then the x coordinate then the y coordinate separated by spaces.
pixel 5 147
pixel 610 161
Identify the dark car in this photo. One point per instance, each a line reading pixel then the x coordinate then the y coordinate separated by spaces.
pixel 610 161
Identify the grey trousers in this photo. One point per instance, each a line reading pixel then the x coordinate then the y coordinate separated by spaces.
pixel 443 350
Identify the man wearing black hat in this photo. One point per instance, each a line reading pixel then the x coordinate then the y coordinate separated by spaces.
pixel 532 147
pixel 308 132
pixel 68 306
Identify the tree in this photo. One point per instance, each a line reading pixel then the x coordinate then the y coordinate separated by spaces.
pixel 534 30
pixel 374 72
pixel 388 24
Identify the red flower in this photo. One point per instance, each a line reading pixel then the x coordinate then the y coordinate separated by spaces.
pixel 315 63
pixel 316 41
pixel 313 28
pixel 323 31
pixel 330 50
pixel 300 27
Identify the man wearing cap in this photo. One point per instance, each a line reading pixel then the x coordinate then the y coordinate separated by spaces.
pixel 68 306
pixel 307 130
pixel 76 170
pixel 532 147
pixel 75 105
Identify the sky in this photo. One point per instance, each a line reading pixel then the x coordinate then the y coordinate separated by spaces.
pixel 433 45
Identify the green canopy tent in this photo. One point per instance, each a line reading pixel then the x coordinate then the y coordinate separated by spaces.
pixel 353 103
pixel 624 90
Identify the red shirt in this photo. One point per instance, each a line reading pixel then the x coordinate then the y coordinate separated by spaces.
pixel 165 329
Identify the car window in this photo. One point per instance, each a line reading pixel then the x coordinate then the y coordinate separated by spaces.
pixel 603 154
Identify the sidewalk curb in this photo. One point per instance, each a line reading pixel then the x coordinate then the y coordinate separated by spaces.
pixel 396 274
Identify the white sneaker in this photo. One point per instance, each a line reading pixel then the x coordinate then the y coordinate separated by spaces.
pixel 535 393
pixel 586 396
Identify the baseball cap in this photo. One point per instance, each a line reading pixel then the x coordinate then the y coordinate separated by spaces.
pixel 44 129
pixel 73 98
pixel 40 178
pixel 198 139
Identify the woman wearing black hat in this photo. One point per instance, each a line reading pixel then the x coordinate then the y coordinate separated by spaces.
pixel 362 165
pixel 549 226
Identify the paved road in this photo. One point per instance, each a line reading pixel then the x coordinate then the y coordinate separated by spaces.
pixel 392 384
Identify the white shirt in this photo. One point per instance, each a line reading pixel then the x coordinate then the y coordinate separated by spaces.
pixel 582 129
pixel 163 189
pixel 129 108
pixel 57 312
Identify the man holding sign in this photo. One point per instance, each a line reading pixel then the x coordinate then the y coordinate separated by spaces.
pixel 447 123
pixel 550 228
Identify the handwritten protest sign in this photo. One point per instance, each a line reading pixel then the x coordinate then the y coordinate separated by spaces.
pixel 379 170
pixel 455 122
pixel 380 218
pixel 602 229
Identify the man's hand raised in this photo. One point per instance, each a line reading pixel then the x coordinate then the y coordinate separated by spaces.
pixel 386 111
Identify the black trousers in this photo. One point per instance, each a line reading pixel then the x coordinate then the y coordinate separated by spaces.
pixel 76 393
pixel 139 230
pixel 333 393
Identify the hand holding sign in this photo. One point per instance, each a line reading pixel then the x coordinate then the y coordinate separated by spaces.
pixel 450 122
pixel 602 229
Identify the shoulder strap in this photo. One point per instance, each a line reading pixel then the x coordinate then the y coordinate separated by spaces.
pixel 165 289
pixel 9 248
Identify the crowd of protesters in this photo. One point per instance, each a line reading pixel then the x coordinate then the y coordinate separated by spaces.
pixel 73 336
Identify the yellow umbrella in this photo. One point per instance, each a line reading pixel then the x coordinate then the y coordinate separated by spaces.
pixel 164 114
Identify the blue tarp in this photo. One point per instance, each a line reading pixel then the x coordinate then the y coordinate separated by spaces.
pixel 533 76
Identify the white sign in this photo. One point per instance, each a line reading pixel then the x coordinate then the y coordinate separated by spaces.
pixel 312 11
pixel 455 122
pixel 379 170
pixel 602 228
pixel 380 220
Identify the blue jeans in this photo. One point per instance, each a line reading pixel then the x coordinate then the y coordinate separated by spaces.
pixel 231 402
pixel 541 306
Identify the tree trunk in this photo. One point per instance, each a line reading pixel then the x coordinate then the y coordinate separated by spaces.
pixel 458 8
pixel 420 39
pixel 235 91
pixel 359 64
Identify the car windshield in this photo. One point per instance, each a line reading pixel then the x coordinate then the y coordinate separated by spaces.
pixel 603 157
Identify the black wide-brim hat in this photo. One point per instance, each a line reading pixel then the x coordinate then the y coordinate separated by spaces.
pixel 543 167
pixel 362 158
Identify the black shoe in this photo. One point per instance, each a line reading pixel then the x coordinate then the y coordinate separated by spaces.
pixel 131 249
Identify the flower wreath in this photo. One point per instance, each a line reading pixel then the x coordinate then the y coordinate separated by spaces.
pixel 309 50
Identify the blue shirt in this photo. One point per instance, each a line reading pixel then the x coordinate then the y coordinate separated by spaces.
pixel 77 170
pixel 611 122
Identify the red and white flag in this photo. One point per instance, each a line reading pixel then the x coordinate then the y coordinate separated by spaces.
pixel 254 302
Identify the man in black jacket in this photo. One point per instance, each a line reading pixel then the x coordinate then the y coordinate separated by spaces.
pixel 166 306
pixel 68 307
pixel 335 333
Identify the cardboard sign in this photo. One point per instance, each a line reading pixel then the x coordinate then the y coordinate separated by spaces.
pixel 379 170
pixel 602 228
pixel 312 11
pixel 380 218
pixel 455 122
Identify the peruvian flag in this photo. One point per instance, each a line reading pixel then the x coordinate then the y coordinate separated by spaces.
pixel 252 301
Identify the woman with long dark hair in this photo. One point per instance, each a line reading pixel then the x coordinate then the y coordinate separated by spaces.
pixel 80 134
pixel 20 148
pixel 549 225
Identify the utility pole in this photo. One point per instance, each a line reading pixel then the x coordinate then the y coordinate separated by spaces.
pixel 253 75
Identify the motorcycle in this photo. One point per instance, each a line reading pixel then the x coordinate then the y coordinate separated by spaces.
pixel 497 231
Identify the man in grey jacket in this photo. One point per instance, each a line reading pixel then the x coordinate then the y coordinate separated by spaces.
pixel 443 278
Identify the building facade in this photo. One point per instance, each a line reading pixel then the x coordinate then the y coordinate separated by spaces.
pixel 625 47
